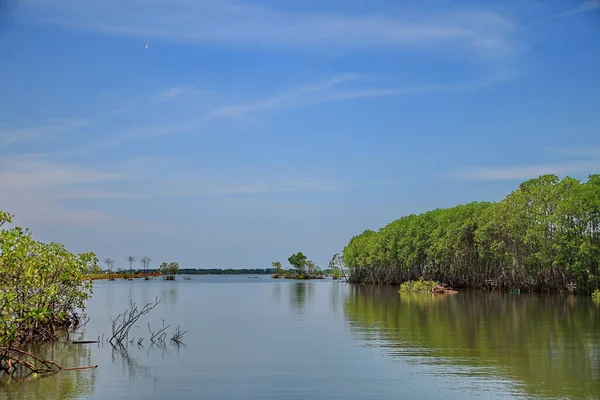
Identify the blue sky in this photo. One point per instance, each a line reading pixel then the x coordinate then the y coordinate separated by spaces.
pixel 249 130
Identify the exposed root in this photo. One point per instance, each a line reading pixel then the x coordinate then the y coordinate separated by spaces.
pixel 11 359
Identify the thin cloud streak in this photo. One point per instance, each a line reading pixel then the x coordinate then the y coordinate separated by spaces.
pixel 36 172
pixel 10 136
pixel 322 93
pixel 302 96
pixel 287 99
pixel 172 93
pixel 586 6
pixel 39 188
pixel 247 24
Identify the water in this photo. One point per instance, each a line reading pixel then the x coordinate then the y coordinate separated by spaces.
pixel 274 339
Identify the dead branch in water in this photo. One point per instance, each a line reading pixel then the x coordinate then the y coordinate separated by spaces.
pixel 122 324
pixel 160 335
pixel 12 358
pixel 178 335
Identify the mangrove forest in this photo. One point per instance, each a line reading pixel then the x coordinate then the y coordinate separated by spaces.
pixel 544 236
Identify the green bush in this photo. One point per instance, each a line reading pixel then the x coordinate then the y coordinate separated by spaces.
pixel 169 270
pixel 596 294
pixel 42 289
pixel 420 286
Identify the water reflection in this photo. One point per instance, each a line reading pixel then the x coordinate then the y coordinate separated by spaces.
pixel 300 294
pixel 277 292
pixel 129 365
pixel 61 385
pixel 337 292
pixel 169 296
pixel 550 345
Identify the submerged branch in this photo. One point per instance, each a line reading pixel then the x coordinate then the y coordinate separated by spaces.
pixel 11 358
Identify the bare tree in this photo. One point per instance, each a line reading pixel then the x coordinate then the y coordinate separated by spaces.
pixel 109 263
pixel 145 263
pixel 130 260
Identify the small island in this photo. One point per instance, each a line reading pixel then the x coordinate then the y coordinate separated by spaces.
pixel 302 268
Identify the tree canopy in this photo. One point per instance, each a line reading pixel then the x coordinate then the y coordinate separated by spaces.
pixel 542 236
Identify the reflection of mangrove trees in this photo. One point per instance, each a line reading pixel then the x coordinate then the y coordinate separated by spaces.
pixel 542 236
pixel 300 294
pixel 551 344
pixel 59 386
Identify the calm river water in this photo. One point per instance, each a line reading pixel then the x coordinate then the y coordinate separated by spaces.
pixel 271 339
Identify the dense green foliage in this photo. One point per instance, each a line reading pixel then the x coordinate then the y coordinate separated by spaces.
pixel 298 261
pixel 302 268
pixel 596 295
pixel 169 270
pixel 41 286
pixel 541 236
pixel 420 286
pixel 335 273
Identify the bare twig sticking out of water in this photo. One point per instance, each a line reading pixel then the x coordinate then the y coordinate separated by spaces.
pixel 122 324
pixel 158 336
pixel 178 335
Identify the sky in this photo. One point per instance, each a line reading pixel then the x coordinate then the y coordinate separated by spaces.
pixel 233 133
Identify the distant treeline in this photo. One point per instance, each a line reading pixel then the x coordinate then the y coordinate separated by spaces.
pixel 255 271
pixel 542 236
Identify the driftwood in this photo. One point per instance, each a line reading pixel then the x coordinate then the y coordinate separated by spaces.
pixel 12 358
pixel 442 289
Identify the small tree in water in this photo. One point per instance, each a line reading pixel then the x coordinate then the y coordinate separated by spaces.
pixel 299 263
pixel 169 270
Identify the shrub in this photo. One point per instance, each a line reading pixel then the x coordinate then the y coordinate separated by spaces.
pixel 420 286
pixel 42 289
pixel 596 294
pixel 169 270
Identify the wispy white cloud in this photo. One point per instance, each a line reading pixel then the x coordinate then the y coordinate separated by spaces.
pixel 586 6
pixel 301 95
pixel 35 172
pixel 523 172
pixel 172 93
pixel 248 24
pixel 31 184
pixel 39 190
pixel 11 135
pixel 342 87
pixel 330 91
